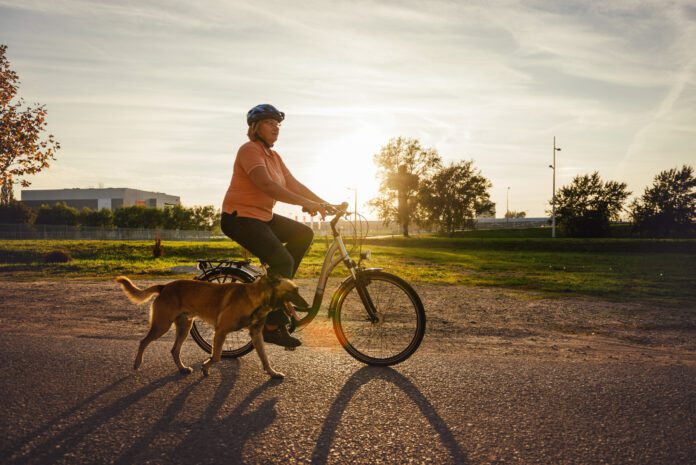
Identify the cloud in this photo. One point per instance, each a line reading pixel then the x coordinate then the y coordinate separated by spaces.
pixel 168 82
pixel 683 82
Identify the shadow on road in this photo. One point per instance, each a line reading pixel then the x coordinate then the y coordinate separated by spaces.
pixel 223 440
pixel 364 376
pixel 208 436
pixel 56 446
pixel 53 422
pixel 160 427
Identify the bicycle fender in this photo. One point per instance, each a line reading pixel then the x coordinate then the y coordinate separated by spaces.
pixel 241 272
pixel 343 288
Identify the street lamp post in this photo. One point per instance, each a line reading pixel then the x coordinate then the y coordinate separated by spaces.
pixel 553 192
pixel 355 210
pixel 507 205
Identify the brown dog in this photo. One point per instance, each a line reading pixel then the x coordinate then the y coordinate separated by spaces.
pixel 227 307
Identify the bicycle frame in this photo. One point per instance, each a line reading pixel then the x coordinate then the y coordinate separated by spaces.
pixel 336 254
pixel 344 298
pixel 330 262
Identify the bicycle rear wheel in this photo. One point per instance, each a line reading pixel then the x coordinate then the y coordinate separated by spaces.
pixel 237 343
pixel 396 332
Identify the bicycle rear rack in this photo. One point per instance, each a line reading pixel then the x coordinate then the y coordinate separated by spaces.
pixel 214 264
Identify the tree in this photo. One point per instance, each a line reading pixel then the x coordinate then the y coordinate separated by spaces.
pixel 60 213
pixel 23 150
pixel 174 217
pixel 669 206
pixel 401 165
pixel 205 217
pixel 201 218
pixel 177 217
pixel 514 214
pixel 586 206
pixel 138 216
pixel 454 196
pixel 16 213
pixel 103 218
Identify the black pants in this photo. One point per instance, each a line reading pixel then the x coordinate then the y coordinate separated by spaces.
pixel 280 243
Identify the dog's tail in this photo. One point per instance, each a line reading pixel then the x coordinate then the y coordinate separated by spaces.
pixel 135 294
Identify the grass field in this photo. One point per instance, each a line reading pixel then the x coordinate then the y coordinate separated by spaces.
pixel 660 271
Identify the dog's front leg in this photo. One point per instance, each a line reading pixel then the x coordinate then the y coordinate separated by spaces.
pixel 257 340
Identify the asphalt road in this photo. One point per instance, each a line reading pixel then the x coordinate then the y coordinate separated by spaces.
pixel 71 399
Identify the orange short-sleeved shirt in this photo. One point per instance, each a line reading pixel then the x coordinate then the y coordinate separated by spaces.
pixel 243 195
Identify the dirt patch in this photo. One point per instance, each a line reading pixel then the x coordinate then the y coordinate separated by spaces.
pixel 462 319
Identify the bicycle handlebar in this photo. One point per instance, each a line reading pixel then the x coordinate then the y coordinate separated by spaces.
pixel 331 209
pixel 337 210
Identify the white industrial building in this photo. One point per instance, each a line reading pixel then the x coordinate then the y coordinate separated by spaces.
pixel 97 199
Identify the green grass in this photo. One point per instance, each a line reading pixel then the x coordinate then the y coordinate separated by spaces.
pixel 105 259
pixel 659 271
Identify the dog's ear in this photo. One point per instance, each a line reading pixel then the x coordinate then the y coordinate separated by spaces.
pixel 273 278
pixel 295 297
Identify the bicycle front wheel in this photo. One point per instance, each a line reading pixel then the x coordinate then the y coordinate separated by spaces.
pixel 396 330
pixel 237 343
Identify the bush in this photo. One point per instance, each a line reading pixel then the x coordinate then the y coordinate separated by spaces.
pixel 174 217
pixel 57 256
pixel 60 214
pixel 98 218
pixel 139 216
pixel 16 213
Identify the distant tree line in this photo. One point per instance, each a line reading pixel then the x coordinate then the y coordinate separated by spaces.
pixel 203 218
pixel 416 187
pixel 587 206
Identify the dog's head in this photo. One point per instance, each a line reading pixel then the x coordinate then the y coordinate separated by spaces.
pixel 283 290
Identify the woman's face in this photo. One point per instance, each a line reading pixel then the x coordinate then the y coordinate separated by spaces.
pixel 268 130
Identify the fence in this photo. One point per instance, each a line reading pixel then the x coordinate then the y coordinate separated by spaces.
pixel 60 232
pixel 378 228
pixel 511 223
pixel 373 228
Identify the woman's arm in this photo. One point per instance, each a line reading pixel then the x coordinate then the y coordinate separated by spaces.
pixel 259 176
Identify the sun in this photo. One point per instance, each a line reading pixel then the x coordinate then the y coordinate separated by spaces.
pixel 350 168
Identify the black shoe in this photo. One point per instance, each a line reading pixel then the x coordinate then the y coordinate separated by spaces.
pixel 281 337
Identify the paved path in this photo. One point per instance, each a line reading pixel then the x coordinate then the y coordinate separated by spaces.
pixel 74 399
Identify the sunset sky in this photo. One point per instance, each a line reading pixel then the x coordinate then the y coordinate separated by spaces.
pixel 153 95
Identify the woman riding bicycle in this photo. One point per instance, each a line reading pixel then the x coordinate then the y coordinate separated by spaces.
pixel 259 179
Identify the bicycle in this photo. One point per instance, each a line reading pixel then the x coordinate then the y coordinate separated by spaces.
pixel 378 317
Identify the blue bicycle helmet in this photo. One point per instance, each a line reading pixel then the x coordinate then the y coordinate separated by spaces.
pixel 264 111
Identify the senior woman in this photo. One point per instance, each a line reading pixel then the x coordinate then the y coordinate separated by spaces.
pixel 259 179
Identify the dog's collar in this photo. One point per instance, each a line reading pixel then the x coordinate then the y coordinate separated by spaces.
pixel 272 300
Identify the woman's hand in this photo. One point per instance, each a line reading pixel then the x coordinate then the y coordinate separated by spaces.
pixel 315 207
pixel 331 209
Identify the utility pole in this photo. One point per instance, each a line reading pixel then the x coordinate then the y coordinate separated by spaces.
pixel 553 192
